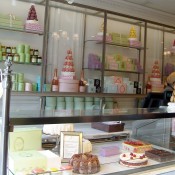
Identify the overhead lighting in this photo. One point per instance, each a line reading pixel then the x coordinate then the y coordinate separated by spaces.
pixel 70 1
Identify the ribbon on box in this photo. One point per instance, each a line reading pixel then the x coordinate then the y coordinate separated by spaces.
pixel 118 80
pixel 11 18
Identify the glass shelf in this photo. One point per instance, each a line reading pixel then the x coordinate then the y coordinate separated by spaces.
pixel 21 30
pixel 113 70
pixel 115 44
pixel 78 94
pixel 124 71
pixel 37 117
pixel 34 64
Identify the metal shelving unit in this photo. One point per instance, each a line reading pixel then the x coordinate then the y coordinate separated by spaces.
pixel 26 118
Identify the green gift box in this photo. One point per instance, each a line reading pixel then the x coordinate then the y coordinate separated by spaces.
pixel 20 139
pixel 26 161
pixel 78 99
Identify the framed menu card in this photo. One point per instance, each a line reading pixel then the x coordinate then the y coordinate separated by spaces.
pixel 70 144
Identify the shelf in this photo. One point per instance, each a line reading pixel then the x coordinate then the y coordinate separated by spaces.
pixel 112 70
pixel 32 117
pixel 33 64
pixel 21 30
pixel 116 44
pixel 124 71
pixel 78 94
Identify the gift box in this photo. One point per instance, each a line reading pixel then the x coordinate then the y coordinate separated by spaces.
pixel 94 61
pixel 91 89
pixel 117 79
pixel 130 87
pixel 68 85
pixel 108 126
pixel 115 37
pixel 122 88
pixel 100 38
pixel 33 27
pixel 26 161
pixel 20 139
pixel 112 89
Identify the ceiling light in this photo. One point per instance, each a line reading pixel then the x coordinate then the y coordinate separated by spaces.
pixel 70 1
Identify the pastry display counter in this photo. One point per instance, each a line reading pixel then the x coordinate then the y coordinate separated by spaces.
pixel 30 117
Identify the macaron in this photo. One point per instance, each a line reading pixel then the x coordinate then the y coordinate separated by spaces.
pixel 37 170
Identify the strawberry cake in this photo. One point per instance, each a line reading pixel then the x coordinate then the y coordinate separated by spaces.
pixel 133 159
pixel 136 146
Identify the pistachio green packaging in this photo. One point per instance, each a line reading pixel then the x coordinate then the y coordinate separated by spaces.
pixel 23 139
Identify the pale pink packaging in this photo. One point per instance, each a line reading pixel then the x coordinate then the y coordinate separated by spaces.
pixel 68 85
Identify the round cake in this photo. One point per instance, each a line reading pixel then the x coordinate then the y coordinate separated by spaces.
pixel 133 159
pixel 85 163
pixel 55 129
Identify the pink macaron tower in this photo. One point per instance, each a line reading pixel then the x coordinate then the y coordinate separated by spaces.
pixel 32 22
pixel 68 81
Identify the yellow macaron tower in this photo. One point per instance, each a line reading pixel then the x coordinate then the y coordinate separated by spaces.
pixel 133 40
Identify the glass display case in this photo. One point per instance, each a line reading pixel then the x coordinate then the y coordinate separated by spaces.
pixel 101 33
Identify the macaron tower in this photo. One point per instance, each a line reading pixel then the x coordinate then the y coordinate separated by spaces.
pixel 32 22
pixel 133 41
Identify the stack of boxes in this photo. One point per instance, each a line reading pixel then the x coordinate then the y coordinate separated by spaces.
pixel 121 85
pixel 120 62
pixel 11 20
pixel 76 103
pixel 94 61
pixel 19 84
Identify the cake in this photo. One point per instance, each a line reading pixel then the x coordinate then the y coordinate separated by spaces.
pixel 133 159
pixel 32 22
pixel 112 126
pixel 85 163
pixel 155 78
pixel 136 146
pixel 87 146
pixel 160 155
pixel 68 81
pixel 55 129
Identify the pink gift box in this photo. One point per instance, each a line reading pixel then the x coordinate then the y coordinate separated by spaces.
pixel 109 151
pixel 122 88
pixel 68 85
pixel 128 66
pixel 110 58
pixel 118 80
pixel 113 66
pixel 100 38
pixel 34 27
